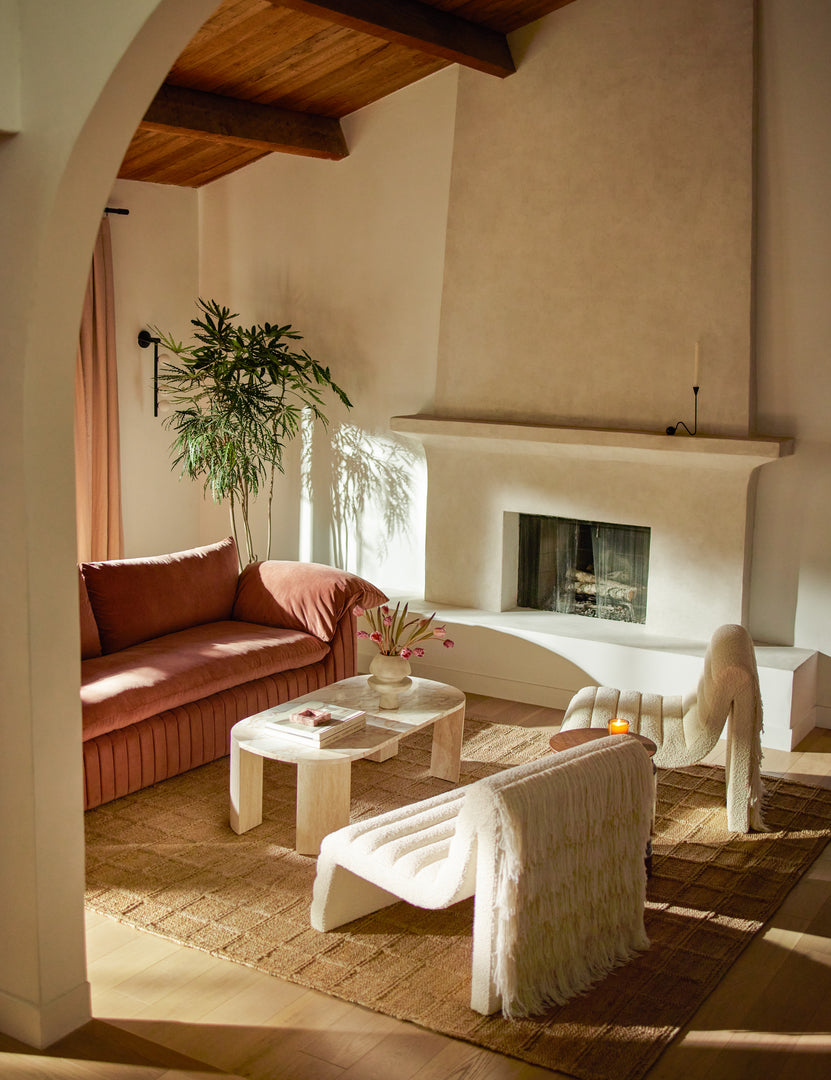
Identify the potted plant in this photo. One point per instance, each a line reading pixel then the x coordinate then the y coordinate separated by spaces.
pixel 238 394
pixel 398 635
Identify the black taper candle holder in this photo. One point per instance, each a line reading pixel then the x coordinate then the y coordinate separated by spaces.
pixel 671 430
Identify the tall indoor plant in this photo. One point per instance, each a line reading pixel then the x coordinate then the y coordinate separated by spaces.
pixel 238 394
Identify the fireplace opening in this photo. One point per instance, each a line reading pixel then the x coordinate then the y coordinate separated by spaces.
pixel 590 568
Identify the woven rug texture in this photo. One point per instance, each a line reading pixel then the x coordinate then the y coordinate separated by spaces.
pixel 166 860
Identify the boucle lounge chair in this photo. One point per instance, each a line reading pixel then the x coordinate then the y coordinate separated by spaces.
pixel 553 851
pixel 686 727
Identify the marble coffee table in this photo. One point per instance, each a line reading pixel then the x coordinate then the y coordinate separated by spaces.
pixel 324 776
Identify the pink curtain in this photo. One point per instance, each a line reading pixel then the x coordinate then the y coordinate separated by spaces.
pixel 97 468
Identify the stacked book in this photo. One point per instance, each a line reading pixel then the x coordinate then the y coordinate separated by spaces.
pixel 316 724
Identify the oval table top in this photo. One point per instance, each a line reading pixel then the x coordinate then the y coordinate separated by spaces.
pixel 423 704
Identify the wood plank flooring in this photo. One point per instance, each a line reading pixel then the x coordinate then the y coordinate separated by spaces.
pixel 166 1012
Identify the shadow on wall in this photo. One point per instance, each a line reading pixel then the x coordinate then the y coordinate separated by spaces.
pixel 371 488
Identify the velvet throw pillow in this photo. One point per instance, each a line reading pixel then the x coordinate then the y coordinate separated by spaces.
pixel 135 600
pixel 90 641
pixel 301 596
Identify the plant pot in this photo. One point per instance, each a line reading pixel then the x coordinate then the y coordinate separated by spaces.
pixel 390 677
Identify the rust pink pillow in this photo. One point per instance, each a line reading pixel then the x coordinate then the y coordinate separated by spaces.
pixel 301 596
pixel 135 600
pixel 90 641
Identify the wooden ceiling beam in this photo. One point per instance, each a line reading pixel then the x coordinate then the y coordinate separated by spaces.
pixel 179 111
pixel 417 26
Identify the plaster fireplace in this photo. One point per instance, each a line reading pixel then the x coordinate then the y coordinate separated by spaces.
pixel 694 495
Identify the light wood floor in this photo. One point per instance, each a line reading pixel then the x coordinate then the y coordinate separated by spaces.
pixel 166 1011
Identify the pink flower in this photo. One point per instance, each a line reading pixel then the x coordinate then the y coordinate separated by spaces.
pixel 398 632
pixel 357 610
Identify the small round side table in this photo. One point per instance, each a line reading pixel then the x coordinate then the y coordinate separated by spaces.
pixel 563 740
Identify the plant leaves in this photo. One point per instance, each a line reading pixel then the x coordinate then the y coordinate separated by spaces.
pixel 238 394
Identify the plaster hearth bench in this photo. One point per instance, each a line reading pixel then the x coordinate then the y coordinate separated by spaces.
pixel 175 649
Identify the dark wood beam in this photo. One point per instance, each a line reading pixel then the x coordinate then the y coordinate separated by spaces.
pixel 417 26
pixel 179 111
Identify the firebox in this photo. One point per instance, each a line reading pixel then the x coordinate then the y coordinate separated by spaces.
pixel 591 568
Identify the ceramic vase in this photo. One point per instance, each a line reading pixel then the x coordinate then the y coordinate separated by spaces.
pixel 389 677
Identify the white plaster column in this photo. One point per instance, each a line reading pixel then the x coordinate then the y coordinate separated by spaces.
pixel 87 70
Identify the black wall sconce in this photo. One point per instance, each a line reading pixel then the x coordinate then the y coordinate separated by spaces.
pixel 145 340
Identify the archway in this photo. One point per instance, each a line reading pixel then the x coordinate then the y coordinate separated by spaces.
pixel 88 69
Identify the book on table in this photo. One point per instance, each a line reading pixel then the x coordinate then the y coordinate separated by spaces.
pixel 316 723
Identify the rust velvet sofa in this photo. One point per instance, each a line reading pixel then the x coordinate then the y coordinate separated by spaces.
pixel 175 649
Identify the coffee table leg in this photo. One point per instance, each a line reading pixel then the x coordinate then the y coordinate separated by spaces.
pixel 323 793
pixel 446 756
pixel 246 789
pixel 385 754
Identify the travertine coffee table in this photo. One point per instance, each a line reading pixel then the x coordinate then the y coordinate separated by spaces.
pixel 324 775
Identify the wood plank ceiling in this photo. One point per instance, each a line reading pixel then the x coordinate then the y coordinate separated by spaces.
pixel 277 76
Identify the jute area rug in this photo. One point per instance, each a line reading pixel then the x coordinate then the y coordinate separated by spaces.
pixel 165 860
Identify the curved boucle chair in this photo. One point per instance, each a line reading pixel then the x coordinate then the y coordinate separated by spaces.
pixel 686 727
pixel 552 850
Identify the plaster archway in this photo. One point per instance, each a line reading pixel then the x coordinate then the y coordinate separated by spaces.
pixel 88 70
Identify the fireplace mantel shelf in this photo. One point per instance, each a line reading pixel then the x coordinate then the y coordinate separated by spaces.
pixel 714 451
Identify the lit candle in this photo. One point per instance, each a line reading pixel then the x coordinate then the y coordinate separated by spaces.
pixel 697 365
pixel 618 727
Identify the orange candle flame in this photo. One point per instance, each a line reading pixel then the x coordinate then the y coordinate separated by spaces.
pixel 618 727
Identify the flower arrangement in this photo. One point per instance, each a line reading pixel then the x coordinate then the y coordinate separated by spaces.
pixel 397 635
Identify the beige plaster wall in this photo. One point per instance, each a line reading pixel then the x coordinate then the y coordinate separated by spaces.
pixel 600 221
pixel 9 67
pixel 792 559
pixel 352 254
pixel 156 274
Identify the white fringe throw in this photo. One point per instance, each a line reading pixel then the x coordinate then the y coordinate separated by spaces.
pixel 571 881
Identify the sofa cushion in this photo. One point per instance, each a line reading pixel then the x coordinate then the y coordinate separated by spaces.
pixel 135 600
pixel 121 689
pixel 90 641
pixel 301 596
